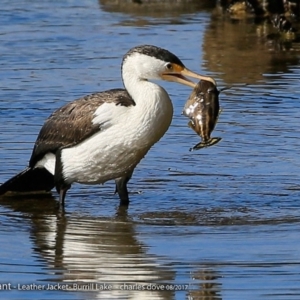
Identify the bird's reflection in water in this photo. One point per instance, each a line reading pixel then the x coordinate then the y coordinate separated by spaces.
pixel 93 251
pixel 97 250
pixel 208 287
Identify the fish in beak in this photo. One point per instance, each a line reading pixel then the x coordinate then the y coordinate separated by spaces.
pixel 202 108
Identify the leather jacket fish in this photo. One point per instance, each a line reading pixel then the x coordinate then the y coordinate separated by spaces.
pixel 203 109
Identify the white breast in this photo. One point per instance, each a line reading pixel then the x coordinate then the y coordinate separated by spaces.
pixel 126 136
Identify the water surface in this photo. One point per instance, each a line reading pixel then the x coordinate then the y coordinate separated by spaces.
pixel 220 223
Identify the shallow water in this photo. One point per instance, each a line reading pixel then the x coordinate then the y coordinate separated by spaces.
pixel 219 223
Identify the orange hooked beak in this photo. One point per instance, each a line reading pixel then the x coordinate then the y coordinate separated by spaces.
pixel 177 74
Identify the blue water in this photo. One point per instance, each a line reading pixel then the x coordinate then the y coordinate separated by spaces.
pixel 218 223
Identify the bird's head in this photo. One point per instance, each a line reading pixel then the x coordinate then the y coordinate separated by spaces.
pixel 151 62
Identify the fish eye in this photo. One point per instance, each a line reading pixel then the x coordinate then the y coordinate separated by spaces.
pixel 169 66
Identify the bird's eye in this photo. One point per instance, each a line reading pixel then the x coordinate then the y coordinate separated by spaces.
pixel 169 67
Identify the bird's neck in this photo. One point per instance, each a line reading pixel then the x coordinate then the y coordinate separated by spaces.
pixel 142 91
pixel 153 109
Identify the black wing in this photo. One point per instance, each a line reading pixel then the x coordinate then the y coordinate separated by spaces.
pixel 72 123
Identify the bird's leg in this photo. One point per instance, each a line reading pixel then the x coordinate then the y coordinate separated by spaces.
pixel 121 188
pixel 62 190
pixel 62 195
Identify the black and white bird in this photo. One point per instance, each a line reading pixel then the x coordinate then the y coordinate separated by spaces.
pixel 103 136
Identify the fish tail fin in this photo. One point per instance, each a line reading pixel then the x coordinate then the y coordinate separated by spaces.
pixel 208 143
pixel 29 180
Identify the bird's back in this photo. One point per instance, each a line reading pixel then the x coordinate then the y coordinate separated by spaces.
pixel 72 123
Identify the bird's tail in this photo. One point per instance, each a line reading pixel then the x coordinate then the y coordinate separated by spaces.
pixel 29 180
pixel 210 142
